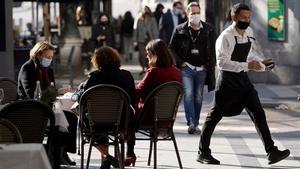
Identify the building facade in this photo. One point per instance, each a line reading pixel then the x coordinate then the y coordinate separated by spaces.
pixel 6 36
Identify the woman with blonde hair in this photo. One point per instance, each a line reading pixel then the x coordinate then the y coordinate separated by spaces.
pixel 37 68
pixel 107 62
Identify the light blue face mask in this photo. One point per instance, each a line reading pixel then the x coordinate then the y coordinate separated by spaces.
pixel 46 62
pixel 177 11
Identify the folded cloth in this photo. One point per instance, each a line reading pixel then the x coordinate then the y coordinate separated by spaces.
pixel 61 120
pixel 64 102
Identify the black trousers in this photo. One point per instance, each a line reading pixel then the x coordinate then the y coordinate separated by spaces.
pixel 257 115
pixel 65 142
pixel 69 139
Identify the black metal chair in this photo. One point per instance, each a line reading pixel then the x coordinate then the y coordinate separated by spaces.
pixel 10 90
pixel 31 118
pixel 106 109
pixel 157 117
pixel 9 133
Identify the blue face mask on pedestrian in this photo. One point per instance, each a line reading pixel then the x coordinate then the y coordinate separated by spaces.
pixel 46 62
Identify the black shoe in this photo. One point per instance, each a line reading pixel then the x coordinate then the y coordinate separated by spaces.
pixel 66 160
pixel 105 165
pixel 112 161
pixel 277 155
pixel 207 159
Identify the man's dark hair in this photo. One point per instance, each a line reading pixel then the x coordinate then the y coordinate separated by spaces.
pixel 159 7
pixel 103 14
pixel 193 4
pixel 176 3
pixel 236 9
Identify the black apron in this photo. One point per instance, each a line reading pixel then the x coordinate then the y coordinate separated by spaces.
pixel 232 88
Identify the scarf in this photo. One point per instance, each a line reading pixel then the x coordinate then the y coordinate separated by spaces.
pixel 42 76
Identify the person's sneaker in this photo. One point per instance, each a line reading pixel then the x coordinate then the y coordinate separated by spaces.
pixel 191 129
pixel 197 130
pixel 277 155
pixel 207 159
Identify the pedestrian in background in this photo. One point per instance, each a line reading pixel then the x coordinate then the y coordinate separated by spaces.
pixel 102 32
pixel 158 12
pixel 170 20
pixel 193 44
pixel 127 35
pixel 234 91
pixel 146 30
pixel 228 20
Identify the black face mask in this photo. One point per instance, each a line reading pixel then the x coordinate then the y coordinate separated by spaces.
pixel 104 23
pixel 242 25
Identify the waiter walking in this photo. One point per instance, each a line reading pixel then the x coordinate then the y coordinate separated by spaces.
pixel 234 91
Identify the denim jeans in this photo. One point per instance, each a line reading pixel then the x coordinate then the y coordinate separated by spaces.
pixel 193 84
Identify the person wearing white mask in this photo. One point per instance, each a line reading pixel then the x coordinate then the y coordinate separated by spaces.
pixel 170 20
pixel 236 55
pixel 193 44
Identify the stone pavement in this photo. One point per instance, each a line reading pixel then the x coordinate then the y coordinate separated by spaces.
pixel 235 141
pixel 279 96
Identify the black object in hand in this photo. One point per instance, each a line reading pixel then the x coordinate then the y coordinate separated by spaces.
pixel 270 65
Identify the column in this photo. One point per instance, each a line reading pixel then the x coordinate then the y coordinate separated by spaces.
pixel 6 44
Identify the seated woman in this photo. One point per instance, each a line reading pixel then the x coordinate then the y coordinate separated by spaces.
pixel 107 62
pixel 37 68
pixel 162 69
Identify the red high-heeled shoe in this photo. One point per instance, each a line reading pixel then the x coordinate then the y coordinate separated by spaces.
pixel 130 159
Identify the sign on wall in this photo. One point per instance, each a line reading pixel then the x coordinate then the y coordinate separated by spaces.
pixel 276 20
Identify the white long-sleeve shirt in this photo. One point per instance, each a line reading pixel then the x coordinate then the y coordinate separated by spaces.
pixel 225 46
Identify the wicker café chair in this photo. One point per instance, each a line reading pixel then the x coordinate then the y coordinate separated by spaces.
pixel 9 133
pixel 106 109
pixel 157 117
pixel 31 118
pixel 10 90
